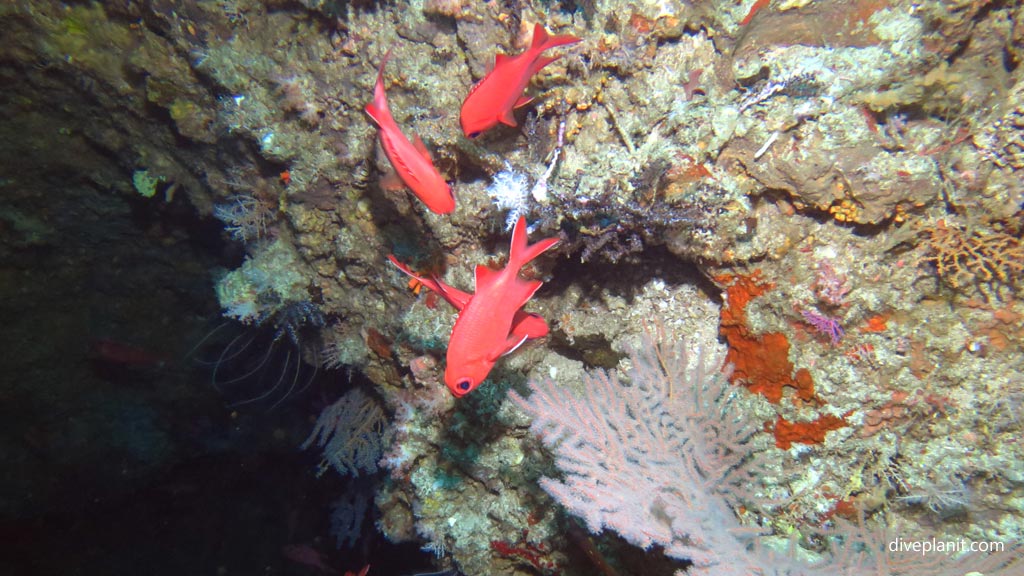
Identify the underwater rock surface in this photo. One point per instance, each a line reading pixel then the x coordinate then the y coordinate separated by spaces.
pixel 823 200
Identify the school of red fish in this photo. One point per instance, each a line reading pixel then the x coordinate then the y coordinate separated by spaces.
pixel 491 321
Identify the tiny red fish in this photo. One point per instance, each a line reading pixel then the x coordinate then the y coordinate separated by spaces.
pixel 306 555
pixel 124 354
pixel 411 160
pixel 362 572
pixel 491 321
pixel 754 9
pixel 494 97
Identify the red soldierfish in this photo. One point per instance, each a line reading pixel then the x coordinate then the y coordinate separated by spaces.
pixel 411 160
pixel 491 321
pixel 123 354
pixel 524 324
pixel 306 555
pixel 492 99
pixel 362 572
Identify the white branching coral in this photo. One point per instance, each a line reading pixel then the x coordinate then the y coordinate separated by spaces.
pixel 510 191
pixel 661 460
pixel 350 433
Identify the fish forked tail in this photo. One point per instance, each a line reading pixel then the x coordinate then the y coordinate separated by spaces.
pixel 521 251
pixel 543 41
pixel 378 109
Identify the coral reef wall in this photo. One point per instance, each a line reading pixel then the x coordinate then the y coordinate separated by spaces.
pixel 826 194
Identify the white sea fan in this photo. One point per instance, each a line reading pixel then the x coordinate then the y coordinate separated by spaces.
pixel 662 461
pixel 350 434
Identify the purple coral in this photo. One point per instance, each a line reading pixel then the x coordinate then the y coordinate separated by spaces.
pixel 824 325
pixel 830 286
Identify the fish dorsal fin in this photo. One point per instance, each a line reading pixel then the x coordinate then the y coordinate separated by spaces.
pixel 421 148
pixel 472 89
pixel 485 276
pixel 501 60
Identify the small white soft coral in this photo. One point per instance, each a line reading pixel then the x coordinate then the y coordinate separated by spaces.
pixel 509 190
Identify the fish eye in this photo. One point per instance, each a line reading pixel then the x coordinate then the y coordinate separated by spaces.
pixel 464 385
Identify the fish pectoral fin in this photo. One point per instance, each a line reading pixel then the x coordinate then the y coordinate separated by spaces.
pixel 513 342
pixel 422 148
pixel 529 325
pixel 392 182
pixel 507 118
pixel 523 101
